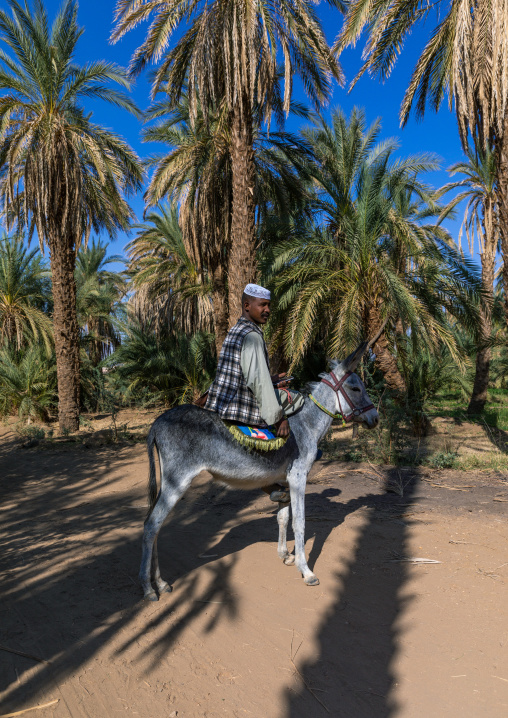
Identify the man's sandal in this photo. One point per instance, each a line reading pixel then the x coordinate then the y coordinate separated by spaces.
pixel 280 496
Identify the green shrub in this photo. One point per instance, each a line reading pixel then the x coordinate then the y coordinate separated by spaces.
pixel 27 383
pixel 426 375
pixel 354 454
pixel 443 460
pixel 32 432
pixel 496 417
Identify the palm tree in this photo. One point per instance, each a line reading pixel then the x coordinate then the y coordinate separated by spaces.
pixel 378 268
pixel 27 382
pixel 98 296
pixel 227 57
pixel 478 188
pixel 169 367
pixel 465 57
pixel 429 373
pixel 61 174
pixel 170 292
pixel 24 295
pixel 196 174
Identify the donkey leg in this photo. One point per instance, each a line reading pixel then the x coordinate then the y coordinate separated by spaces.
pixel 283 520
pixel 169 495
pixel 162 586
pixel 149 549
pixel 298 508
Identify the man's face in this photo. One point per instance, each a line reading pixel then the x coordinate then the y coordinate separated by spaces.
pixel 258 309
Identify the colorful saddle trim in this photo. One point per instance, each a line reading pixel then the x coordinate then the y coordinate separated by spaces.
pixel 253 437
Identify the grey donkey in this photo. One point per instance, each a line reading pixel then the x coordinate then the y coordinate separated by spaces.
pixel 190 439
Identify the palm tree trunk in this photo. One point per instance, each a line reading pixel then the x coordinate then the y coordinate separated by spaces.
pixel 483 355
pixel 220 307
pixel 278 361
pixel 384 361
pixel 387 363
pixel 66 333
pixel 242 258
pixel 502 196
pixel 504 252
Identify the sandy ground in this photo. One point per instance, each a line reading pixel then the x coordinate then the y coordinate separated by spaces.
pixel 241 635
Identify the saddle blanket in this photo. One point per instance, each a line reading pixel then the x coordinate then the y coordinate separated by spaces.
pixel 254 432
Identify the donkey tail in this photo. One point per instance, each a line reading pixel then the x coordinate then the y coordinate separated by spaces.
pixel 152 476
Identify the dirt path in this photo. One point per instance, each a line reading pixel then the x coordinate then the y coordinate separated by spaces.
pixel 241 635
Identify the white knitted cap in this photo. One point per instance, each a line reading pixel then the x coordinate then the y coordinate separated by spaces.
pixel 254 290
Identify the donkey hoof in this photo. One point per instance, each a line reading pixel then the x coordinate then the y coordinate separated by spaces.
pixel 151 596
pixel 164 587
pixel 312 580
pixel 289 560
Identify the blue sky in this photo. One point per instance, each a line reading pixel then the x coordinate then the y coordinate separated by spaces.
pixel 437 133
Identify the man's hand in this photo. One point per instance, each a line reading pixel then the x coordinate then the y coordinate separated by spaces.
pixel 283 428
pixel 277 380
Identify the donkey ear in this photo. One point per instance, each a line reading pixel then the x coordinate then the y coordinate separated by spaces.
pixel 354 359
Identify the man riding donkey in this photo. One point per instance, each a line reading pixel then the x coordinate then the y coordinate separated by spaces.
pixel 243 390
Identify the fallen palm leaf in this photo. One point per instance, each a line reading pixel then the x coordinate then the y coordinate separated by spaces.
pixel 411 559
pixel 311 690
pixel 470 543
pixel 25 655
pixel 452 488
pixel 376 471
pixel 34 708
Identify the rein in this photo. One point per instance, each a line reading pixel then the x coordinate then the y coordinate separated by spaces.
pixel 337 387
pixel 323 408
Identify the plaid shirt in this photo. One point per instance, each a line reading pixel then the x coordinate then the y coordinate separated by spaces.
pixel 229 396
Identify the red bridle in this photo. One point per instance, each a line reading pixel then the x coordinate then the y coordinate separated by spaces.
pixel 339 390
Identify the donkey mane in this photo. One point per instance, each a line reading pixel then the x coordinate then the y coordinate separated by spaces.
pixel 312 385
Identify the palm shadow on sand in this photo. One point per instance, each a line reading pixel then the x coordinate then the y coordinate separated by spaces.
pixel 60 506
pixel 67 508
pixel 353 676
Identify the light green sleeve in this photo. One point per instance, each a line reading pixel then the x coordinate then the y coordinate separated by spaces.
pixel 258 379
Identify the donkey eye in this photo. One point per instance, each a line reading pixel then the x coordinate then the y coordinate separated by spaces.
pixel 355 388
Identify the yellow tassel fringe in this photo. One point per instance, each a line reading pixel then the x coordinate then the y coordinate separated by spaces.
pixel 259 444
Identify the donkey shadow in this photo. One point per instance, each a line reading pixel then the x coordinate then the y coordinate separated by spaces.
pixel 217 562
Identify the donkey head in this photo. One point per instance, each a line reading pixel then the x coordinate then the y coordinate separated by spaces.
pixel 351 396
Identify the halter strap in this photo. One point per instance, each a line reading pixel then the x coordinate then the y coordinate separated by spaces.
pixel 323 408
pixel 337 387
